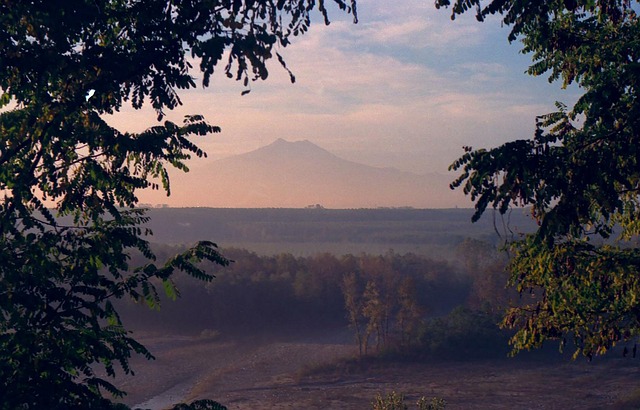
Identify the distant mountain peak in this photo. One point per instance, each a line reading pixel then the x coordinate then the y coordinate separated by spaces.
pixel 281 142
pixel 282 148
pixel 298 173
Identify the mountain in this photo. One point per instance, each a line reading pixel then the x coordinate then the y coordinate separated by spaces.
pixel 297 174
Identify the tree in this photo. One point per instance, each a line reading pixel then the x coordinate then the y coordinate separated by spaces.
pixel 373 312
pixel 68 221
pixel 485 267
pixel 353 304
pixel 579 174
pixel 409 314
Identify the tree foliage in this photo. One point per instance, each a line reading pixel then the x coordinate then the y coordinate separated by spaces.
pixel 382 302
pixel 579 174
pixel 68 221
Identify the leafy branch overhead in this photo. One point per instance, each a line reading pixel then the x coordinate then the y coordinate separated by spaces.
pixel 69 180
pixel 579 174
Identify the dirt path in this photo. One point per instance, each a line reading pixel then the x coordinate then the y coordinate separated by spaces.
pixel 274 375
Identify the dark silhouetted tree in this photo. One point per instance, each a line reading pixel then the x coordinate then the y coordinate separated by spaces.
pixel 63 67
pixel 579 173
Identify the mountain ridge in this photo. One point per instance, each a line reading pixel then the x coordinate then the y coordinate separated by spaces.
pixel 296 174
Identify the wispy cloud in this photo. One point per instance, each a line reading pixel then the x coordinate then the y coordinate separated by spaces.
pixel 406 88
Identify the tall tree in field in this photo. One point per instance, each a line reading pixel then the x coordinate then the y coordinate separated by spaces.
pixel 409 314
pixel 373 312
pixel 353 303
pixel 63 66
pixel 579 173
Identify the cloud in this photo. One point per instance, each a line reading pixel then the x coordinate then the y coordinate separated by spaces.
pixel 420 32
pixel 405 88
pixel 411 25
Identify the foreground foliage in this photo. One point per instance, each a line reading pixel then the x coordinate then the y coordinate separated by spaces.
pixel 396 401
pixel 69 179
pixel 579 174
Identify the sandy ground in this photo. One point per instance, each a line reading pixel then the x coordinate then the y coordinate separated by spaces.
pixel 285 374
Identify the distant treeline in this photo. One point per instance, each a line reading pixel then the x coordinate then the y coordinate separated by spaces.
pixel 386 226
pixel 389 298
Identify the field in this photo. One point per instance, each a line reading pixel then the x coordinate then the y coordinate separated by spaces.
pixel 313 372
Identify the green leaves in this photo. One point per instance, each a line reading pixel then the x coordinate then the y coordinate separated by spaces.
pixel 580 174
pixel 580 291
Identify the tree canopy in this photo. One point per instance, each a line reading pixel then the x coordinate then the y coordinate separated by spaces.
pixel 579 174
pixel 68 221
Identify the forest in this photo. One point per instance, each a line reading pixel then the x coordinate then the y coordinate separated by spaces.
pixel 393 303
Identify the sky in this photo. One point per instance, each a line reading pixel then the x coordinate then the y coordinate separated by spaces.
pixel 406 87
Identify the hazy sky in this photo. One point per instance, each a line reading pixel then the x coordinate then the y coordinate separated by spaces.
pixel 406 87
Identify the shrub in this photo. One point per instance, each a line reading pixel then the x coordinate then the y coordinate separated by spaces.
pixel 395 401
